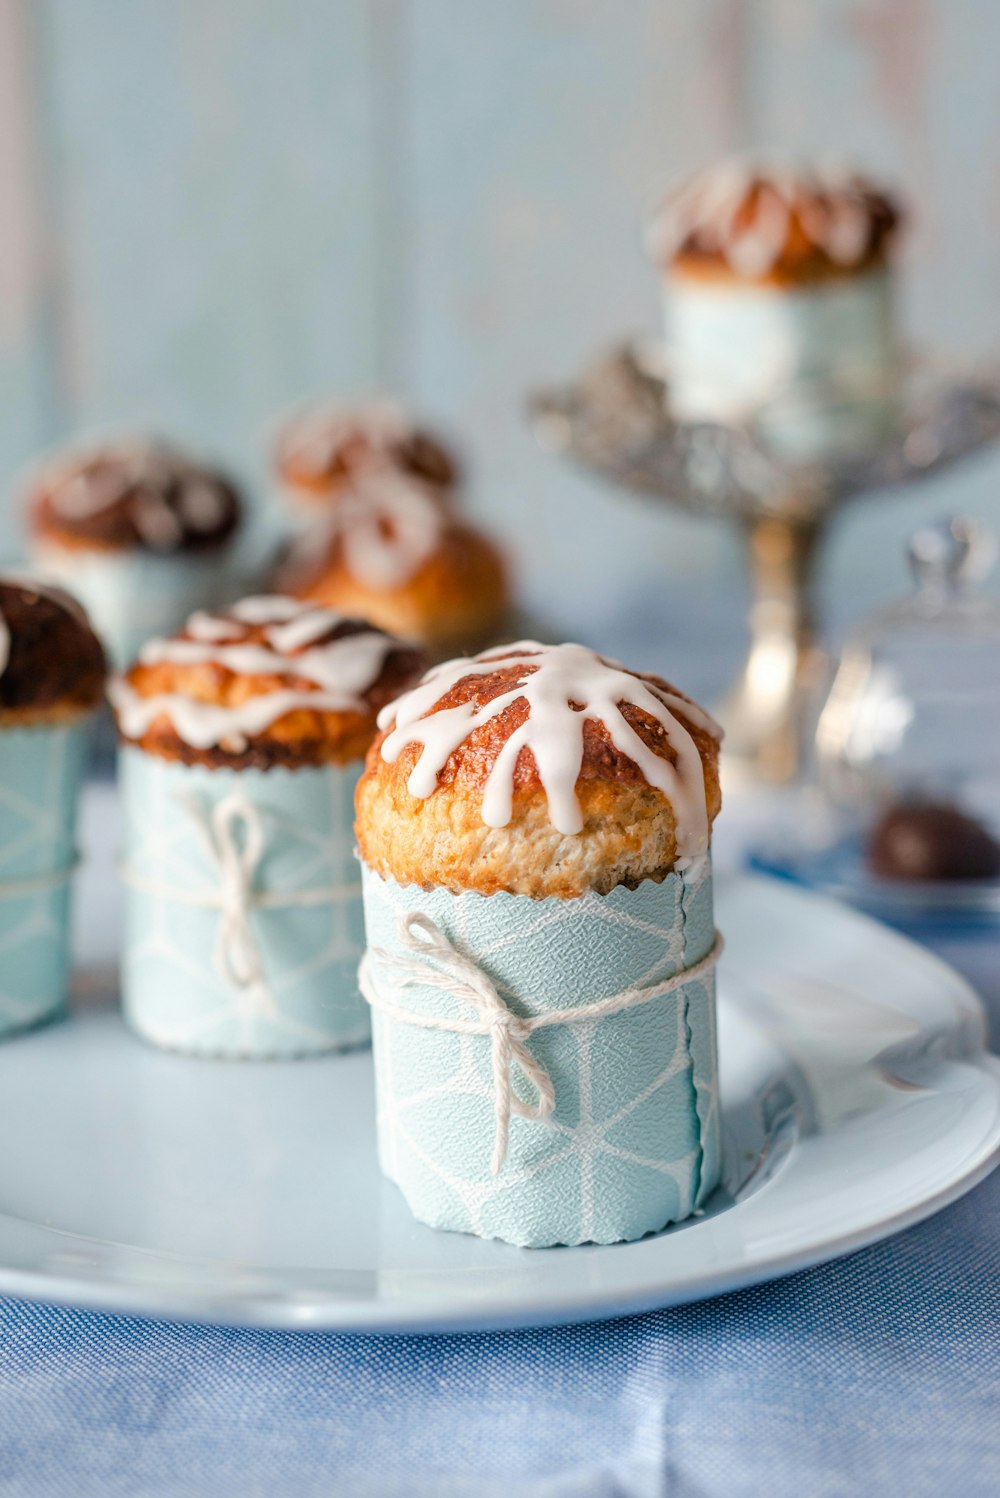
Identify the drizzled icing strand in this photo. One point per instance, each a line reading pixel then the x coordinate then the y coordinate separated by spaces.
pixel 315 440
pixel 564 686
pixel 172 497
pixel 835 206
pixel 339 671
pixel 387 524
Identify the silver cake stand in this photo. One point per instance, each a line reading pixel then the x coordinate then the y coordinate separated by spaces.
pixel 614 423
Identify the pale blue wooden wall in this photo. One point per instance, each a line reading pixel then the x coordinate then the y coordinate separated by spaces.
pixel 212 208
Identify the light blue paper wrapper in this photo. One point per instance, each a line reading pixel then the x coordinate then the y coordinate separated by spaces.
pixel 174 991
pixel 134 596
pixel 40 773
pixel 633 1143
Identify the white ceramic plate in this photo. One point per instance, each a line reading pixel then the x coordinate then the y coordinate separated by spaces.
pixel 857 1100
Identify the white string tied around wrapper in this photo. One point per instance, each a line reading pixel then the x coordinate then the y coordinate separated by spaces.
pixel 431 961
pixel 233 835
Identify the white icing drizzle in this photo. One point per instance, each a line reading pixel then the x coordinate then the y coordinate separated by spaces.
pixel 174 496
pixel 387 523
pixel 563 686
pixel 832 202
pixel 339 672
pixel 205 626
pixel 270 608
pixel 314 440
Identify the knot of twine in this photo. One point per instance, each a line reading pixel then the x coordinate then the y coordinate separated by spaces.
pixel 234 835
pixel 431 961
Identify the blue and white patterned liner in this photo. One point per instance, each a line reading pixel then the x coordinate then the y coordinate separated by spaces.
pixel 40 773
pixel 633 1143
pixel 173 991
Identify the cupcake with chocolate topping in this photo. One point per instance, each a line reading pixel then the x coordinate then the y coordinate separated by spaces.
pixel 51 680
pixel 392 550
pixel 319 451
pixel 779 303
pixel 242 741
pixel 141 533
pixel 535 827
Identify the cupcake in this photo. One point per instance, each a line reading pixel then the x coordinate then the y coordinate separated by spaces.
pixel 392 550
pixel 242 740
pixel 779 304
pixel 141 533
pixel 51 680
pixel 319 451
pixel 535 828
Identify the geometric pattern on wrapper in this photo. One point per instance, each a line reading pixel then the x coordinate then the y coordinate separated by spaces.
pixel 310 954
pixel 633 1143
pixel 39 780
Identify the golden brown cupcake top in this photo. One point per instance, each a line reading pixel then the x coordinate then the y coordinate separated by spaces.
pixel 392 552
pixel 268 682
pixel 383 528
pixel 539 770
pixel 52 665
pixel 320 450
pixel 133 495
pixel 781 223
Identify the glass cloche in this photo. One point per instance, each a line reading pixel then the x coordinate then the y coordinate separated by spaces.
pixel 905 815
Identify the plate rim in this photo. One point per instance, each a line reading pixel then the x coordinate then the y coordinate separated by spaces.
pixel 269 1309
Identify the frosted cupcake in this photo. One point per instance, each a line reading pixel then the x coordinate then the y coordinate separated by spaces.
pixel 140 532
pixel 320 450
pixel 392 550
pixel 779 303
pixel 535 828
pixel 51 680
pixel 242 741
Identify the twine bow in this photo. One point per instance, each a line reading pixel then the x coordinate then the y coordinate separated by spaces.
pixel 234 836
pixel 452 973
pixel 430 961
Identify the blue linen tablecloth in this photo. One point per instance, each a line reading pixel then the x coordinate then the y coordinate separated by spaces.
pixel 876 1375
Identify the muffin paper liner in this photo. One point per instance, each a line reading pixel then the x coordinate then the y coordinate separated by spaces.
pixel 633 1141
pixel 40 773
pixel 133 596
pixel 243 921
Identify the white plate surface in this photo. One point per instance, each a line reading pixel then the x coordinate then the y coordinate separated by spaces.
pixel 857 1099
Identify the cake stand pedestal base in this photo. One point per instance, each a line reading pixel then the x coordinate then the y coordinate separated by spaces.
pixel 615 422
pixel 768 713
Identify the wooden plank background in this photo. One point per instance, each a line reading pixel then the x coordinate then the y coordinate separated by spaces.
pixel 213 208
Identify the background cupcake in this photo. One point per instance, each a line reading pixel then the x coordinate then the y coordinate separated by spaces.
pixel 51 680
pixel 319 451
pixel 243 737
pixel 141 532
pixel 779 305
pixel 535 827
pixel 394 552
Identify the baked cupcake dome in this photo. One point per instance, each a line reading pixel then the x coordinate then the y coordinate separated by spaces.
pixel 786 223
pixel 52 665
pixel 320 449
pixel 779 305
pixel 538 770
pixel 269 682
pixel 394 553
pixel 129 496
